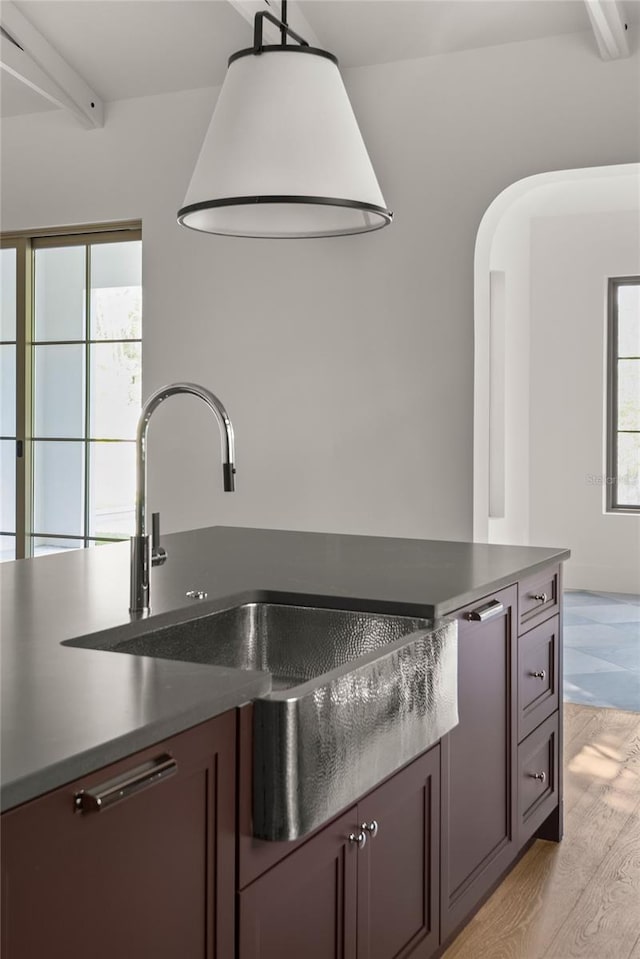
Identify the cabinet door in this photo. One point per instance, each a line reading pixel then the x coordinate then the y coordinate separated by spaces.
pixel 150 874
pixel 479 759
pixel 306 905
pixel 398 870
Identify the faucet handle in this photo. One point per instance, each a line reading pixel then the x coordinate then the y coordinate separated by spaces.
pixel 158 554
pixel 228 473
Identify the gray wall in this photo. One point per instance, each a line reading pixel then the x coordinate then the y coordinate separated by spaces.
pixel 346 364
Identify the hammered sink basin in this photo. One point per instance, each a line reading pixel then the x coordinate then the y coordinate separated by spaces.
pixel 355 696
pixel 294 643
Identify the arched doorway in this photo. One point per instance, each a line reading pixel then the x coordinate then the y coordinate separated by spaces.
pixel 543 251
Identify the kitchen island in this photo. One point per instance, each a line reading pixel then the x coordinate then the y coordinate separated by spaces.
pixel 70 712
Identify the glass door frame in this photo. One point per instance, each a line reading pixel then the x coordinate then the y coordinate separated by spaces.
pixel 24 324
pixel 25 243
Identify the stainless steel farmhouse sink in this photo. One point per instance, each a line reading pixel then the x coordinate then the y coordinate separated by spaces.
pixel 355 696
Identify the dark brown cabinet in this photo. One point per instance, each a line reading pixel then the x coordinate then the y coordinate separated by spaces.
pixel 146 870
pixel 479 759
pixel 398 870
pixel 540 657
pixel 371 896
pixel 306 905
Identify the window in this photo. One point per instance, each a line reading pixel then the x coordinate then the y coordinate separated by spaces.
pixel 623 454
pixel 70 358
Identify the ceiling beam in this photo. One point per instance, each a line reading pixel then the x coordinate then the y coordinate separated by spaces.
pixel 295 18
pixel 609 26
pixel 30 57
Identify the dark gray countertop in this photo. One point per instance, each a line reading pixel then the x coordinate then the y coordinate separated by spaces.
pixel 67 711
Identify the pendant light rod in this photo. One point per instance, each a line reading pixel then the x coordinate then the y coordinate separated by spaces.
pixel 283 26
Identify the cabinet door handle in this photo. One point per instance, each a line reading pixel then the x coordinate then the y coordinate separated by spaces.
pixel 101 797
pixel 541 597
pixel 371 828
pixel 540 674
pixel 541 777
pixel 360 838
pixel 488 611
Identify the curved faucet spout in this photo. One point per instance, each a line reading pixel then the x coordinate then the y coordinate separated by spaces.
pixel 140 558
pixel 226 433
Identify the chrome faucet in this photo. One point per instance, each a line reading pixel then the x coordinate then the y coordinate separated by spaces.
pixel 146 550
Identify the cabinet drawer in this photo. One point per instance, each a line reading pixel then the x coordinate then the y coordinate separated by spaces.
pixel 538 680
pixel 538 598
pixel 537 777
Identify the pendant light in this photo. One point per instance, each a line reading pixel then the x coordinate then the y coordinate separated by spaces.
pixel 283 156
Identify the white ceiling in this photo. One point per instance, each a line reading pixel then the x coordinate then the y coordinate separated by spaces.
pixel 134 48
pixel 130 48
pixel 364 32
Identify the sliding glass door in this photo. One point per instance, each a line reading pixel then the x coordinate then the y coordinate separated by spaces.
pixel 74 393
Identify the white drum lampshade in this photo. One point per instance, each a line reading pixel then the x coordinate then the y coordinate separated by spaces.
pixel 283 156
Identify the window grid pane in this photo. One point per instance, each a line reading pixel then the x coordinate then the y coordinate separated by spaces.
pixel 628 307
pixel 7 390
pixel 7 547
pixel 628 469
pixel 112 493
pixel 8 277
pixel 116 389
pixel 43 545
pixel 8 486
pixel 116 291
pixel 60 293
pixel 59 388
pixel 628 395
pixel 59 487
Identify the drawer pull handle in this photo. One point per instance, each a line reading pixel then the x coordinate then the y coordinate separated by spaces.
pixel 541 777
pixel 483 613
pixel 101 797
pixel 541 597
pixel 540 674
pixel 360 838
pixel 371 828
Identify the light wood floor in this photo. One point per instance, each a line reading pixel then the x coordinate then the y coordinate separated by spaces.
pixel 581 897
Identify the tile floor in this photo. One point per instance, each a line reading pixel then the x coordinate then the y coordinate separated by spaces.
pixel 602 649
